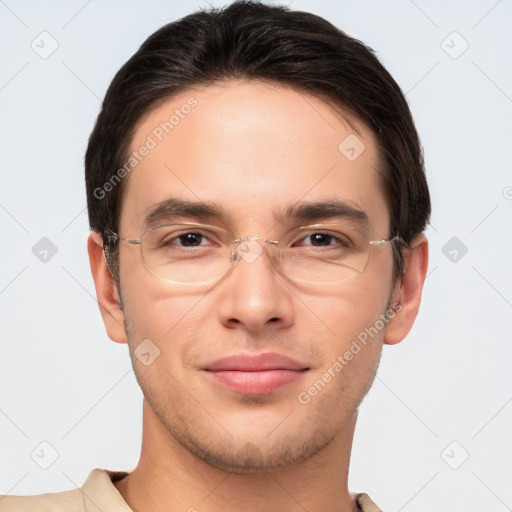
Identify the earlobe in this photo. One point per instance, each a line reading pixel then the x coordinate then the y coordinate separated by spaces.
pixel 409 291
pixel 107 294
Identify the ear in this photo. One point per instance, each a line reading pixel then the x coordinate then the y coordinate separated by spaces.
pixel 408 292
pixel 106 290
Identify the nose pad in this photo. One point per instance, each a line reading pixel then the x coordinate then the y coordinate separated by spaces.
pixel 249 250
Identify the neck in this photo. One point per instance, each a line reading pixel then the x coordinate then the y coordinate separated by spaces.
pixel 170 478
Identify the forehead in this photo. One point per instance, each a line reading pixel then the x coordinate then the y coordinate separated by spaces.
pixel 252 148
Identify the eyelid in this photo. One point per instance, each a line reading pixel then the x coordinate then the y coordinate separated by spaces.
pixel 345 230
pixel 328 226
pixel 307 231
pixel 342 229
pixel 207 230
pixel 188 225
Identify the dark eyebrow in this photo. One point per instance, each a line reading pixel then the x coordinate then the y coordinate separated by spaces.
pixel 174 207
pixel 324 210
pixel 303 212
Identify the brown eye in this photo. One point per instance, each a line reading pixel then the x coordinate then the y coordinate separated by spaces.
pixel 187 240
pixel 324 239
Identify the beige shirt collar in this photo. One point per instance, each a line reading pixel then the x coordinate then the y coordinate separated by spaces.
pixel 101 495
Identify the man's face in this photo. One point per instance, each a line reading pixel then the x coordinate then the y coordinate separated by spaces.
pixel 254 150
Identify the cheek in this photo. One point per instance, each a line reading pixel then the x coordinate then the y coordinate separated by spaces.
pixel 154 311
pixel 176 329
pixel 355 342
pixel 353 334
pixel 351 349
pixel 350 308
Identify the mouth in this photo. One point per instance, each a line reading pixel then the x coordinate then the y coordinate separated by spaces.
pixel 255 374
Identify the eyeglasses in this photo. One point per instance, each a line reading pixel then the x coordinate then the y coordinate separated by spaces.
pixel 190 253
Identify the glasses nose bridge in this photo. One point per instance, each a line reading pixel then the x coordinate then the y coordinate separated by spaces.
pixel 251 251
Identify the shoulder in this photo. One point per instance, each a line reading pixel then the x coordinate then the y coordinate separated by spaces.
pixel 366 504
pixel 67 501
pixel 98 492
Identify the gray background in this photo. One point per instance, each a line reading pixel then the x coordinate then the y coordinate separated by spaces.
pixel 442 395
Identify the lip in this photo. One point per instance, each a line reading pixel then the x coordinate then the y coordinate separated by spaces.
pixel 255 374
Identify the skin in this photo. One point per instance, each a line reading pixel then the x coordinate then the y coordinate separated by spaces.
pixel 251 147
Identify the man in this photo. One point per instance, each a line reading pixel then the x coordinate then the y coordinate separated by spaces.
pixel 257 201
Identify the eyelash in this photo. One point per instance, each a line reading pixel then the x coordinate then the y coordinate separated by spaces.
pixel 339 239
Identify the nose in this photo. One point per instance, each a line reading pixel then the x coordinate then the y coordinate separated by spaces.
pixel 254 295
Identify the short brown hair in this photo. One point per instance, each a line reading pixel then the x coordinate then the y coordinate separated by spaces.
pixel 252 40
